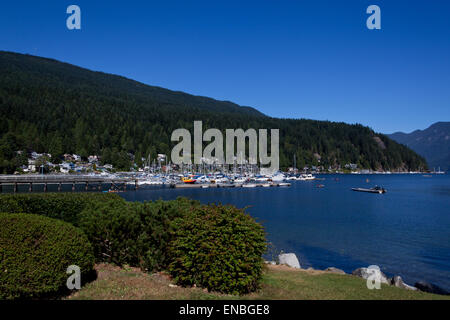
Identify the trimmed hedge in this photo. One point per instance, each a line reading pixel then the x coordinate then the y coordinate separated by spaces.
pixel 219 248
pixel 63 206
pixel 216 247
pixel 133 233
pixel 35 252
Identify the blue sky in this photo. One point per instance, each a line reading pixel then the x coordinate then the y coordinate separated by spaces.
pixel 290 59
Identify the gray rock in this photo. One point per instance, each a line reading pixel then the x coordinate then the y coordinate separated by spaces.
pixel 397 281
pixel 270 262
pixel 430 288
pixel 365 273
pixel 289 259
pixel 335 270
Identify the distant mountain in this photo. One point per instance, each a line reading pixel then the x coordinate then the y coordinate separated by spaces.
pixel 432 143
pixel 55 107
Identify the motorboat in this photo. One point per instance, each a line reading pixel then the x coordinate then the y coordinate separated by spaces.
pixel 278 178
pixel 249 185
pixel 306 177
pixel 375 189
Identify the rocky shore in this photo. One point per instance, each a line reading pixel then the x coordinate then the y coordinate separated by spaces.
pixel 370 273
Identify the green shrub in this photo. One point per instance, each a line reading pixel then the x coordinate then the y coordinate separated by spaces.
pixel 132 233
pixel 219 248
pixel 157 229
pixel 35 252
pixel 113 229
pixel 63 206
pixel 215 247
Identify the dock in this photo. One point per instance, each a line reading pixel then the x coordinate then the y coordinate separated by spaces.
pixel 60 180
pixel 222 185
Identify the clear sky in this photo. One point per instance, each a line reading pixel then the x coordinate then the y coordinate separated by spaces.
pixel 293 59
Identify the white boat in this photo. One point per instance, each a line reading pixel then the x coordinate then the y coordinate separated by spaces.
pixel 305 177
pixel 222 180
pixel 284 184
pixel 249 185
pixel 278 178
pixel 203 179
pixel 266 185
pixel 240 180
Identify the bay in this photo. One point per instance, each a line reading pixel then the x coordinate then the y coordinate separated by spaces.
pixel 405 232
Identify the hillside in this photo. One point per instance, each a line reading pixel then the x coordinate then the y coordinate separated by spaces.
pixel 432 143
pixel 50 106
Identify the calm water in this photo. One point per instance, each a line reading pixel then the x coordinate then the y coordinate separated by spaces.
pixel 405 231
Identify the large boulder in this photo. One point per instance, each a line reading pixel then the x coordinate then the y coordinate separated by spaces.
pixel 366 273
pixel 289 259
pixel 335 270
pixel 430 288
pixel 397 281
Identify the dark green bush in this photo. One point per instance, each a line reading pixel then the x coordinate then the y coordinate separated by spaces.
pixel 35 252
pixel 113 229
pixel 219 248
pixel 215 247
pixel 132 233
pixel 63 206
pixel 157 229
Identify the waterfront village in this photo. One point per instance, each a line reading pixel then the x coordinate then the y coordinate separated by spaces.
pixel 74 164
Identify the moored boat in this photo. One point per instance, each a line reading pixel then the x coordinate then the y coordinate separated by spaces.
pixel 375 189
pixel 249 185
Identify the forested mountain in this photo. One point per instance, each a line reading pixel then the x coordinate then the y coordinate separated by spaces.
pixel 54 107
pixel 432 143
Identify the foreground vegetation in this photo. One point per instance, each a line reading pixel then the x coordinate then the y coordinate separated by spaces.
pixel 154 250
pixel 215 247
pixel 53 107
pixel 278 282
pixel 35 252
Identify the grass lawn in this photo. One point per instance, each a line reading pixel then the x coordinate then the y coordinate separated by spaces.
pixel 279 282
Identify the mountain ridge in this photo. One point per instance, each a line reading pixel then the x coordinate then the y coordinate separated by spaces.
pixel 55 107
pixel 433 143
pixel 199 100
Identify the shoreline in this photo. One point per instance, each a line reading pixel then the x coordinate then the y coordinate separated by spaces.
pixel 289 261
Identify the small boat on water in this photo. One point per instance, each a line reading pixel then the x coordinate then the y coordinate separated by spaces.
pixel 225 185
pixel 189 180
pixel 306 177
pixel 240 180
pixel 278 178
pixel 284 184
pixel 249 185
pixel 375 189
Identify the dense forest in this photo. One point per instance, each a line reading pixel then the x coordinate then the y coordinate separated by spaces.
pixel 54 107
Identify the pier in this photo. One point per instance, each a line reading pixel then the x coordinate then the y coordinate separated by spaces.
pixel 59 180
pixel 226 185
